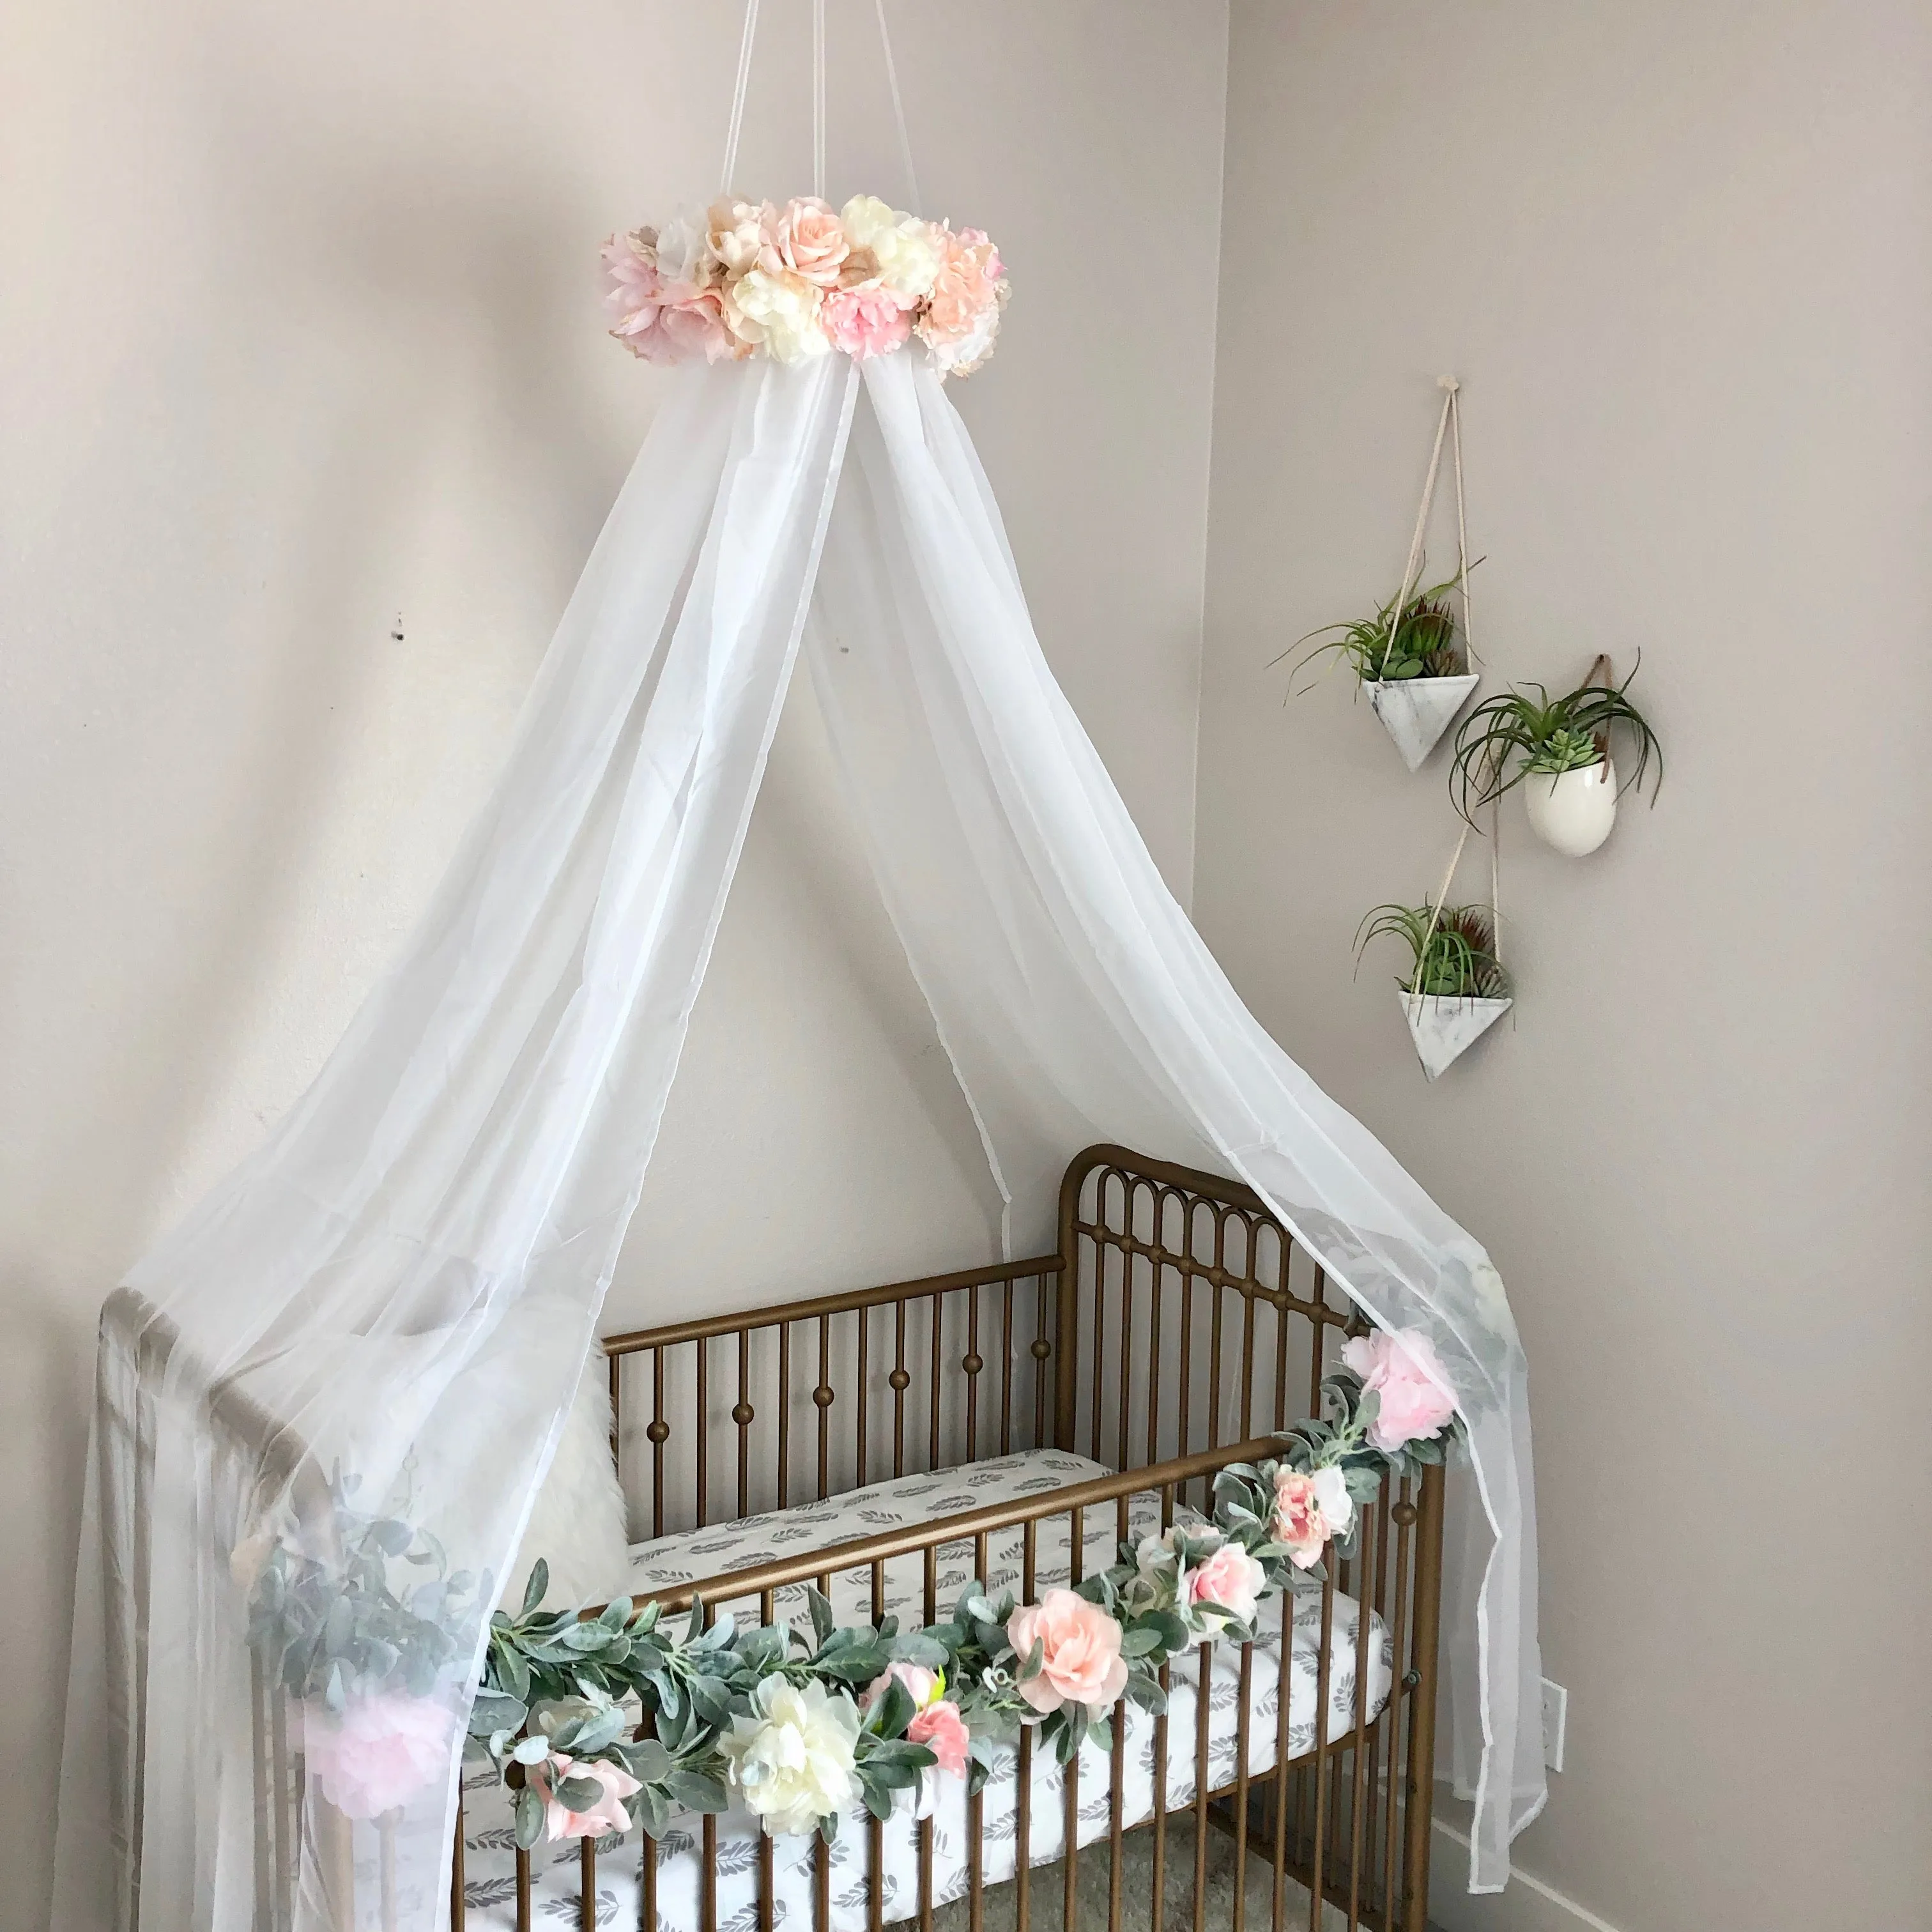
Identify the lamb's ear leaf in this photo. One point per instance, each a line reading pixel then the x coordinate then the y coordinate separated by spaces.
pixel 529 1817
pixel 539 1582
pixel 824 1623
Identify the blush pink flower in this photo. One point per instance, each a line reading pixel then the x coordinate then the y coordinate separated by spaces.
pixel 381 1751
pixel 662 321
pixel 868 320
pixel 607 1814
pixel 1403 1370
pixel 811 241
pixel 1230 1580
pixel 923 1686
pixel 941 1728
pixel 1080 1652
pixel 1299 1523
pixel 961 317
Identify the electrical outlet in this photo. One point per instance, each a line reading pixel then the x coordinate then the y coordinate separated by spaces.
pixel 1555 1720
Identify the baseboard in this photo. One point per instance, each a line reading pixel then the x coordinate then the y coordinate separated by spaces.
pixel 1526 1904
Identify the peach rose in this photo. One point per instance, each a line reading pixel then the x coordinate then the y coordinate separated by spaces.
pixel 811 241
pixel 1080 1652
pixel 1298 1520
pixel 1404 1372
pixel 1229 1579
pixel 939 1727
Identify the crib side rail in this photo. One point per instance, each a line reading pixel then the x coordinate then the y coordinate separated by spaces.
pixel 709 1422
pixel 1344 1811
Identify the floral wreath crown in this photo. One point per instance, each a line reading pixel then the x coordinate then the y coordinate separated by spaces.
pixel 746 278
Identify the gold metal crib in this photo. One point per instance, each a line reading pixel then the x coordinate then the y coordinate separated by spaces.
pixel 1176 1325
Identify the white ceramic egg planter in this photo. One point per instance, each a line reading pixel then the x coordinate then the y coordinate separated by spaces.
pixel 1572 811
pixel 1416 711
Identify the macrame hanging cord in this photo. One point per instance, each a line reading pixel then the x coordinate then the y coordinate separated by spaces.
pixel 1450 423
pixel 748 41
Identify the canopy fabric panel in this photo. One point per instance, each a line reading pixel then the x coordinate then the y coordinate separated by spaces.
pixel 407 1277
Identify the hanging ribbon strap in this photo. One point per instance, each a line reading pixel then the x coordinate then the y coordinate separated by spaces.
pixel 742 87
pixel 1449 423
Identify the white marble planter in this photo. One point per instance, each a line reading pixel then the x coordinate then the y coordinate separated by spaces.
pixel 1416 711
pixel 1444 1030
pixel 1573 812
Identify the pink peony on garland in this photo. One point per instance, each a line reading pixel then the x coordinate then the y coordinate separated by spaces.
pixel 745 278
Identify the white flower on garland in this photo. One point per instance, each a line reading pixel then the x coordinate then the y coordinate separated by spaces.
pixel 792 1759
pixel 780 310
pixel 1338 1506
pixel 904 247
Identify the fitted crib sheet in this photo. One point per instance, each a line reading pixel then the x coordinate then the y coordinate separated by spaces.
pixel 490 1880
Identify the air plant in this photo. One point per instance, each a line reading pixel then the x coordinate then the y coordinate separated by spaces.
pixel 1506 739
pixel 1419 641
pixel 1452 951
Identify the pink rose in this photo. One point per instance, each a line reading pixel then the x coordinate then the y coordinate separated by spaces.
pixel 1080 1652
pixel 811 241
pixel 1298 1520
pixel 607 1814
pixel 1230 1580
pixel 864 321
pixel 382 1750
pixel 1403 1370
pixel 939 1727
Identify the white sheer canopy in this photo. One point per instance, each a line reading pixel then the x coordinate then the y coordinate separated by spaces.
pixel 408 1275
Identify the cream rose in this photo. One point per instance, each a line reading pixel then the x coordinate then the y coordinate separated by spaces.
pixel 739 234
pixel 792 1759
pixel 906 249
pixel 1080 1652
pixel 779 310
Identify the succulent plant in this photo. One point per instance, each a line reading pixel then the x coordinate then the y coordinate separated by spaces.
pixel 1452 953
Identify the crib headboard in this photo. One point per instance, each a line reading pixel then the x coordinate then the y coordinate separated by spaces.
pixel 1188 1318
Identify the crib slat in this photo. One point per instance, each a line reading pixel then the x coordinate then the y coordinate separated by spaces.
pixel 459 1911
pixel 823 1396
pixel 707 1887
pixel 703 1347
pixel 784 1415
pixel 1246 1688
pixel 1160 1801
pixel 1318 1851
pixel 1203 1711
pixel 900 1381
pixel 1006 1369
pixel 586 1882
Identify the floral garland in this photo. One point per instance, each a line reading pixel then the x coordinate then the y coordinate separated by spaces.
pixel 745 278
pixel 799 1730
pixel 599 1723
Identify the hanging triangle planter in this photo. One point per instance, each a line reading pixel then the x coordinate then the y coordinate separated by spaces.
pixel 1416 711
pixel 1444 1027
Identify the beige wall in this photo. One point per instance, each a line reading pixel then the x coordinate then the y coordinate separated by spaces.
pixel 1682 257
pixel 302 348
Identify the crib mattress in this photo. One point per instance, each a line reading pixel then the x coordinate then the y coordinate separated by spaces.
pixel 490 1883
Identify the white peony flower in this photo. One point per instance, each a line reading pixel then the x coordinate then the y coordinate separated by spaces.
pixel 682 250
pixel 1338 1506
pixel 792 1759
pixel 906 249
pixel 779 310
